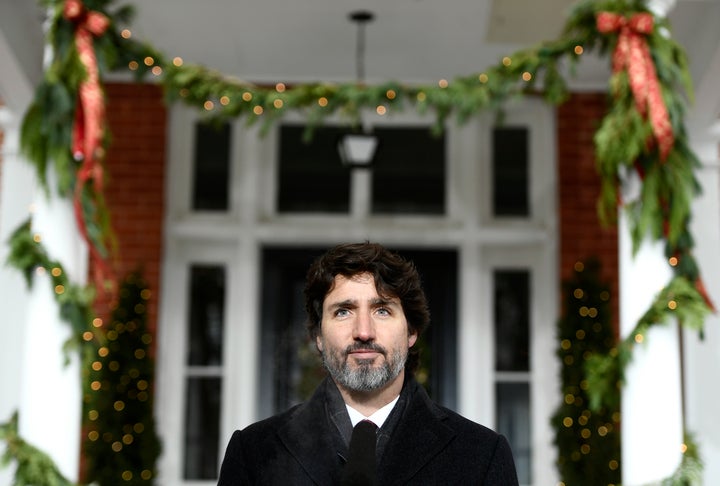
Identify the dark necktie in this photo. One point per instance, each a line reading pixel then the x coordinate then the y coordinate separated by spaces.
pixel 360 467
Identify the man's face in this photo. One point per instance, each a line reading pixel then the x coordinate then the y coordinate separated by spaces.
pixel 364 337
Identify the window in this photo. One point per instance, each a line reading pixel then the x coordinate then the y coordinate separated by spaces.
pixel 311 178
pixel 203 380
pixel 211 167
pixel 408 174
pixel 510 171
pixel 512 364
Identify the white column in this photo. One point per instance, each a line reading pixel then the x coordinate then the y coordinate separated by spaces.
pixel 51 396
pixel 702 356
pixel 35 380
pixel 16 194
pixel 652 422
pixel 651 401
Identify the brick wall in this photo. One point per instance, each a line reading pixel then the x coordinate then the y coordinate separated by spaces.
pixel 581 234
pixel 135 191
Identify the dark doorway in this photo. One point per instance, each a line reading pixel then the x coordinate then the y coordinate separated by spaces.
pixel 289 365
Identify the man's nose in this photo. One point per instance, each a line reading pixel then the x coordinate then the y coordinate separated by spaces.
pixel 364 329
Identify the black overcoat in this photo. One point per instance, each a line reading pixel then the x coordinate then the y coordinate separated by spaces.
pixel 430 445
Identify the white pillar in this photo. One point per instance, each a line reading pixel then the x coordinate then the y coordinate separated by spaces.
pixel 51 397
pixel 651 400
pixel 16 194
pixel 652 421
pixel 35 380
pixel 702 356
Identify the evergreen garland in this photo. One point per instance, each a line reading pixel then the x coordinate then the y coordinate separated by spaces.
pixel 29 256
pixel 587 438
pixel 34 467
pixel 121 445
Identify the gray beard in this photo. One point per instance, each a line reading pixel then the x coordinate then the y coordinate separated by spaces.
pixel 365 377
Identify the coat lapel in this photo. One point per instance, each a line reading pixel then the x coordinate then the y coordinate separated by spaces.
pixel 309 438
pixel 420 436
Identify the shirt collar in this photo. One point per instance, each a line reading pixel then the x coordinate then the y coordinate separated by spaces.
pixel 378 418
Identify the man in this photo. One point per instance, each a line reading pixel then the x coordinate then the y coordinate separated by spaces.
pixel 369 422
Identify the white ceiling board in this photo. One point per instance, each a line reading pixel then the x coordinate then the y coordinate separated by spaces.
pixel 411 41
pixel 527 22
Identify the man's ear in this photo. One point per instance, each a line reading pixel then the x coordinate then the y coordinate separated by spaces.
pixel 318 343
pixel 412 338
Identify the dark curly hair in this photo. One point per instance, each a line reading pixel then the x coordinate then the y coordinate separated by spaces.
pixel 394 277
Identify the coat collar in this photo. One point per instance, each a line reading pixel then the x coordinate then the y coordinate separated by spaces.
pixel 311 439
pixel 419 436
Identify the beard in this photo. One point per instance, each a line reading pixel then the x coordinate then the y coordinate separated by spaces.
pixel 365 376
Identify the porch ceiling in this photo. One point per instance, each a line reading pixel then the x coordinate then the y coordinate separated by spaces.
pixel 409 40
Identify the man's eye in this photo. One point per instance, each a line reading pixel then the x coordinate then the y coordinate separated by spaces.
pixel 341 312
pixel 383 311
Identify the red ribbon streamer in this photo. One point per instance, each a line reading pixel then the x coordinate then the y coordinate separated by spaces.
pixel 89 125
pixel 632 53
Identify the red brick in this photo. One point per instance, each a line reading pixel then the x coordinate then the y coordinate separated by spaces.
pixel 581 234
pixel 135 192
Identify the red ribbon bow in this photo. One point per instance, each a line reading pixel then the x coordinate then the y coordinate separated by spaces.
pixel 89 125
pixel 632 53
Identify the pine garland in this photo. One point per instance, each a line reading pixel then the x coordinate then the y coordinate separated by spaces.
pixel 678 300
pixel 34 467
pixel 29 256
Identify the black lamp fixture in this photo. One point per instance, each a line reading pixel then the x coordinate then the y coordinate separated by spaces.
pixel 358 149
